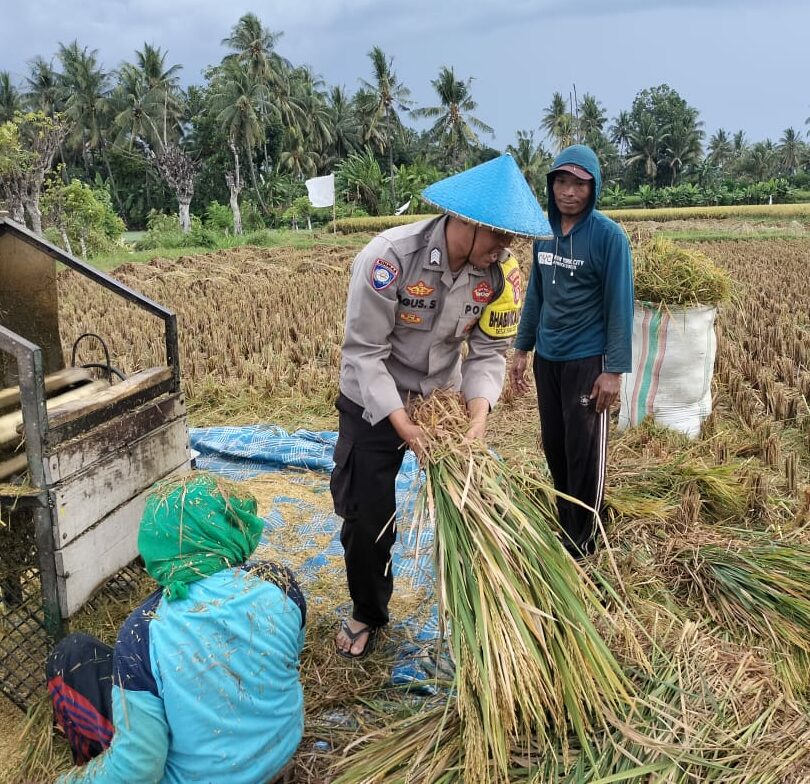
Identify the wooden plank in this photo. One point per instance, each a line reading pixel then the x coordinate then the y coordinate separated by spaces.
pixel 66 458
pixel 87 496
pixel 84 423
pixel 53 383
pixel 13 465
pixel 11 423
pixel 132 386
pixel 99 553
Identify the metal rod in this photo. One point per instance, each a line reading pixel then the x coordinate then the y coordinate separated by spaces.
pixel 35 428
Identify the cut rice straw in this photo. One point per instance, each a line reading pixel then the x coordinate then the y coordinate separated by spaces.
pixel 531 665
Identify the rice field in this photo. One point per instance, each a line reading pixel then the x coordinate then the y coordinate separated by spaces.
pixel 709 539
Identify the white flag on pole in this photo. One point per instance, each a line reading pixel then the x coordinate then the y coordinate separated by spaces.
pixel 321 190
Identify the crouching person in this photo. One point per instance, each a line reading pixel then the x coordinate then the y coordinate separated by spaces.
pixel 202 684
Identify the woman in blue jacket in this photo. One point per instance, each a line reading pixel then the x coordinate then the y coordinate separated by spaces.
pixel 578 319
pixel 202 684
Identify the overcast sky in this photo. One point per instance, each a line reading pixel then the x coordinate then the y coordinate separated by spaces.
pixel 744 64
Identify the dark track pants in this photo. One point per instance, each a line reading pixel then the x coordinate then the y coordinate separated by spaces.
pixel 575 442
pixel 367 460
pixel 79 672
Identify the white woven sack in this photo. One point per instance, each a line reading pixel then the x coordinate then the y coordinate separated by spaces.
pixel 673 364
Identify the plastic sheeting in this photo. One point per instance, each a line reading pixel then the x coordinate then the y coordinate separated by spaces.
pixel 241 453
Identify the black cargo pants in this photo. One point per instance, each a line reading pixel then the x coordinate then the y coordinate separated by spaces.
pixel 575 443
pixel 367 460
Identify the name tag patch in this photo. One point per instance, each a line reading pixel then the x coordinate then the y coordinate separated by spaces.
pixel 383 274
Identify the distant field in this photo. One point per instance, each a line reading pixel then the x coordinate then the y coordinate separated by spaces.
pixel 774 212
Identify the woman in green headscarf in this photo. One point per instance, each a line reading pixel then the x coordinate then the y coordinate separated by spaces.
pixel 202 684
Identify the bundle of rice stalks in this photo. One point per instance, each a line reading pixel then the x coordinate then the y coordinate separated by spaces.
pixel 759 588
pixel 671 275
pixel 530 663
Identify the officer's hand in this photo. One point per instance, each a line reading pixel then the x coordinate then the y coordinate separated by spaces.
pixel 414 438
pixel 411 434
pixel 606 390
pixel 477 430
pixel 517 373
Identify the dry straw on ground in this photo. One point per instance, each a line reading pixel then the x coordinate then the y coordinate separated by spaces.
pixel 749 471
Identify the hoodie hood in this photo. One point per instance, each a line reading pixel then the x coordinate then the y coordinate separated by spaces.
pixel 582 156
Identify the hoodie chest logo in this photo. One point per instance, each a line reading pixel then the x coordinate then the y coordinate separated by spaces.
pixel 545 259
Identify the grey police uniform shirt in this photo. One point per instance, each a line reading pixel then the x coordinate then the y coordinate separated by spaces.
pixel 407 319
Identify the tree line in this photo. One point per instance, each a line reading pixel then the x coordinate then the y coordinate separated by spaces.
pixel 259 125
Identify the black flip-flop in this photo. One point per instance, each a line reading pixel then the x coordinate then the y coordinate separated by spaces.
pixel 353 636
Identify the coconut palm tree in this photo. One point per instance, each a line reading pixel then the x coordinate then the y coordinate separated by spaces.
pixel 344 124
pixel 42 87
pixel 315 125
pixel 10 98
pixel 592 119
pixel 739 144
pixel 720 150
pixel 85 90
pixel 620 131
pixel 532 159
pixel 645 139
pixel 683 144
pixel 238 100
pixel 790 151
pixel 252 47
pixel 454 127
pixel 760 161
pixel 558 122
pixel 371 131
pixel 148 102
pixel 390 95
pixel 297 158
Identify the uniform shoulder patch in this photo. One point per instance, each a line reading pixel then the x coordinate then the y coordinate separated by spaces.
pixel 383 274
pixel 435 258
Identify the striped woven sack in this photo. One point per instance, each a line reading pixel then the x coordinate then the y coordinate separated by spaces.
pixel 673 365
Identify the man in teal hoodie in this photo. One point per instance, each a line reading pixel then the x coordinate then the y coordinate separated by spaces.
pixel 578 319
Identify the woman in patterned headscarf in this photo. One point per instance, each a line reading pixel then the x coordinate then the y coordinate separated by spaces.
pixel 202 684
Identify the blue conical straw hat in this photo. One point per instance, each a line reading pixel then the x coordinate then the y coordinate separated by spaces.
pixel 494 194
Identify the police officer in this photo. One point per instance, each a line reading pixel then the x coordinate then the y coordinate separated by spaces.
pixel 417 294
